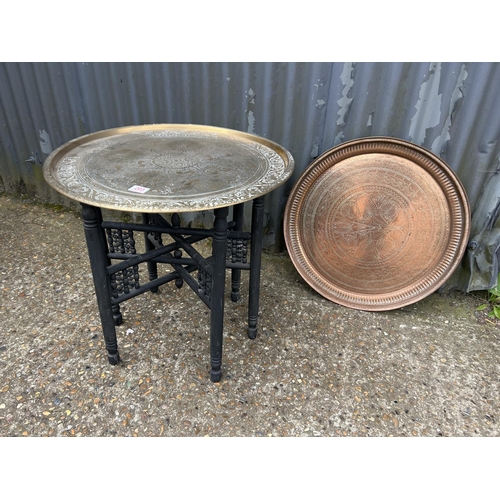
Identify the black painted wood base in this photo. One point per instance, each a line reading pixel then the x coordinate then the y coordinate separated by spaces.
pixel 115 267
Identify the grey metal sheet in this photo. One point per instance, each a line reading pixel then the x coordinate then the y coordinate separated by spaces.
pixel 451 108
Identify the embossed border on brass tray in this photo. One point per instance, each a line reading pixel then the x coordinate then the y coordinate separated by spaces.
pixel 268 165
pixel 377 223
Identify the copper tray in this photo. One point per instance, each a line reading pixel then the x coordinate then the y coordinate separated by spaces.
pixel 377 223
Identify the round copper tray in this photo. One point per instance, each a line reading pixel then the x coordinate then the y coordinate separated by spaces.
pixel 377 223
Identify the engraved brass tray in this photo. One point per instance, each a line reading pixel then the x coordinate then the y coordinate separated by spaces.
pixel 167 168
pixel 377 223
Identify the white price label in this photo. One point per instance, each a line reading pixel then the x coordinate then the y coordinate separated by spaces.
pixel 138 189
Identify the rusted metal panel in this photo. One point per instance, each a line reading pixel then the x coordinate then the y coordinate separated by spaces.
pixel 451 108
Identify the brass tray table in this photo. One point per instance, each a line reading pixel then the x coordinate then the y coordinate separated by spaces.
pixel 170 169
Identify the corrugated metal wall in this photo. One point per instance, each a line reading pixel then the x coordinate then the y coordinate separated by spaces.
pixel 452 109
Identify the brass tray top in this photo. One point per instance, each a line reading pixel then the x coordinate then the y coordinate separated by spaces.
pixel 377 223
pixel 167 168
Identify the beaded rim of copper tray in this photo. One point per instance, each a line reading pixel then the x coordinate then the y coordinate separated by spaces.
pixel 377 223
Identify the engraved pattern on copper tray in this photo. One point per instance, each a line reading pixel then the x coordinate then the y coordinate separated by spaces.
pixel 167 168
pixel 377 223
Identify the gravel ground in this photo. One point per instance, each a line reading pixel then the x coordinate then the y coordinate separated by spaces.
pixel 315 369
